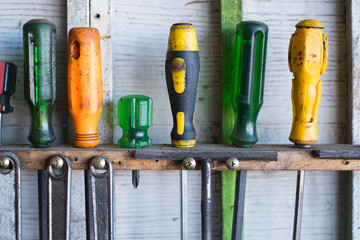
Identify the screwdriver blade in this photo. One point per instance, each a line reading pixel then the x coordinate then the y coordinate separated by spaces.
pixel 135 178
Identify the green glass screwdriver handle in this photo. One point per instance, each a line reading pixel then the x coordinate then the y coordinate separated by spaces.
pixel 39 38
pixel 135 118
pixel 248 81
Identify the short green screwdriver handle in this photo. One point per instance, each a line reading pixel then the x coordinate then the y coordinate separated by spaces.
pixel 135 118
pixel 248 82
pixel 40 79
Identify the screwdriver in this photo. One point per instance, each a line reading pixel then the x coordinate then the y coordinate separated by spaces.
pixel 40 79
pixel 85 85
pixel 7 89
pixel 135 118
pixel 308 58
pixel 247 99
pixel 182 66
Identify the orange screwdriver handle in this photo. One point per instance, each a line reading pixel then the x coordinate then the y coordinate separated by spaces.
pixel 85 85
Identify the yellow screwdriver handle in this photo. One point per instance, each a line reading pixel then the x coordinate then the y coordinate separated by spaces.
pixel 85 85
pixel 308 58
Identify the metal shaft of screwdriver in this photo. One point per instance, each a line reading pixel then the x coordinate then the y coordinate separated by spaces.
pixel 135 178
pixel 300 180
pixel 184 207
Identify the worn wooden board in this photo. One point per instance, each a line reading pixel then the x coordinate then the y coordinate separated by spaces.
pixel 158 157
pixel 275 118
pixel 140 69
pixel 353 34
pixel 230 16
pixel 14 15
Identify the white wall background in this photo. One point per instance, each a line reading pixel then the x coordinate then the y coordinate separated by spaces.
pixel 140 33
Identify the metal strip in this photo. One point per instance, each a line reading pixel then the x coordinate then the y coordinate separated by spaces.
pixel 10 190
pixel 238 218
pixel 184 206
pixel 338 153
pixel 298 204
pixel 243 155
pixel 54 199
pixel 206 199
pixel 99 199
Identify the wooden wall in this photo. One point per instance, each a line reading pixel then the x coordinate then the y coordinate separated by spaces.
pixel 140 32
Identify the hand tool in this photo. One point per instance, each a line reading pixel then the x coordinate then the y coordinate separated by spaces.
pixel 99 199
pixel 7 89
pixel 135 118
pixel 54 198
pixel 205 156
pixel 10 190
pixel 247 99
pixel 40 79
pixel 308 58
pixel 182 68
pixel 85 85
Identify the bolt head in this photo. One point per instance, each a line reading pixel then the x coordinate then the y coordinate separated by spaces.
pixel 57 162
pixel 189 163
pixel 232 163
pixel 98 162
pixel 4 162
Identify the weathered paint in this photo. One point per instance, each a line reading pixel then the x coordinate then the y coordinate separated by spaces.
pixel 231 14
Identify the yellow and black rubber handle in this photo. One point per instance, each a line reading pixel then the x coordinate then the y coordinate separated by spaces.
pixel 182 67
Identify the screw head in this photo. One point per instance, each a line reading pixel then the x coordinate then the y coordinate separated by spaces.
pixel 57 162
pixel 98 162
pixel 189 163
pixel 232 163
pixel 4 162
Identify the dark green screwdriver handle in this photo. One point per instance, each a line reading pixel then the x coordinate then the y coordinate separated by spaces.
pixel 248 82
pixel 40 79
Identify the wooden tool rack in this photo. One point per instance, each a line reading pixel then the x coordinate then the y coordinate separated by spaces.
pixel 161 157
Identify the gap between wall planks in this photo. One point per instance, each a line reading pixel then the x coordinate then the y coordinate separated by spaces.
pixel 353 35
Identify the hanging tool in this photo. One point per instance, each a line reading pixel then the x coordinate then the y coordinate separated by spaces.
pixel 135 118
pixel 308 58
pixel 247 99
pixel 54 198
pixel 99 199
pixel 7 89
pixel 40 79
pixel 10 190
pixel 182 67
pixel 10 187
pixel 85 85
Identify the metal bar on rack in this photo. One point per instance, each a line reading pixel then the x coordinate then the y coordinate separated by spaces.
pixel 206 199
pixel 99 199
pixel 54 198
pixel 10 190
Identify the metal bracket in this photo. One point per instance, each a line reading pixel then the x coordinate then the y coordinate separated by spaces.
pixel 10 189
pixel 99 199
pixel 54 198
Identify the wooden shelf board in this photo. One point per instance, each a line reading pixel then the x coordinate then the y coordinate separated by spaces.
pixel 288 157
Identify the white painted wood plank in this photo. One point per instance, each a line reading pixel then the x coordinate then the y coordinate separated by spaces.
pixel 353 35
pixel 140 44
pixel 101 18
pixel 14 16
pixel 78 13
pixel 269 216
